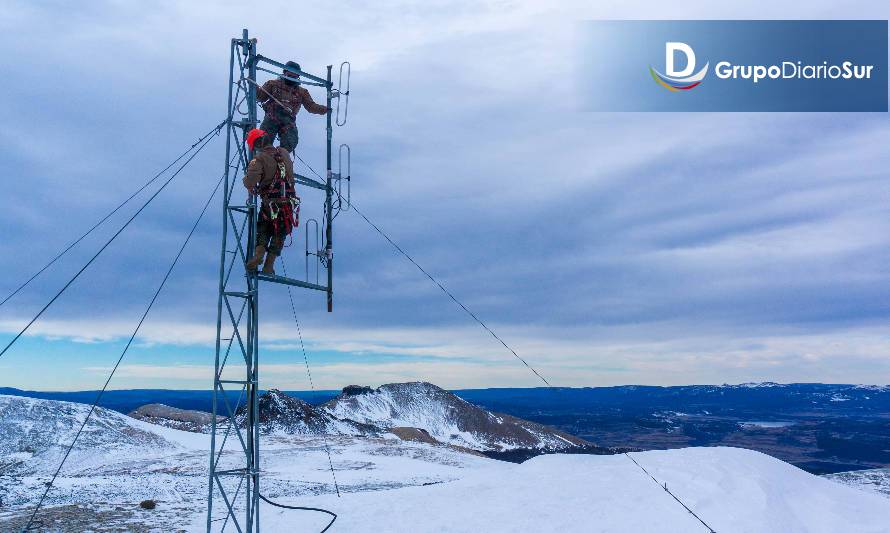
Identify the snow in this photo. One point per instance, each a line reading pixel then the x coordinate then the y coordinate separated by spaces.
pixel 875 388
pixel 756 385
pixel 428 413
pixel 742 490
pixel 732 490
pixel 876 480
pixel 394 486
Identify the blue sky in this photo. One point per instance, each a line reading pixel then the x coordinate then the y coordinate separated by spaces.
pixel 606 248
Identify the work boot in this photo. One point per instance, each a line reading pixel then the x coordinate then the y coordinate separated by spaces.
pixel 268 266
pixel 257 258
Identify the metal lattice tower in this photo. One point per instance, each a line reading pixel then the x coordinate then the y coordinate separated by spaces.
pixel 235 471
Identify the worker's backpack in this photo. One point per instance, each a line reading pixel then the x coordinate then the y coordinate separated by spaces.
pixel 281 199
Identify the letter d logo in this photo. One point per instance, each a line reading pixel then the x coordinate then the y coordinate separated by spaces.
pixel 675 80
pixel 670 50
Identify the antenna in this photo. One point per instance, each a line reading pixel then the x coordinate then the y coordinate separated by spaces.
pixel 314 250
pixel 234 478
pixel 344 148
pixel 339 91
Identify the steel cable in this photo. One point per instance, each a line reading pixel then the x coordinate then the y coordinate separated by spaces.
pixel 123 353
pixel 108 243
pixel 665 488
pixel 434 280
pixel 324 437
pixel 106 217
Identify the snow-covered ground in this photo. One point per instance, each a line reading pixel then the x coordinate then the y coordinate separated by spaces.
pixel 874 480
pixel 731 490
pixel 391 485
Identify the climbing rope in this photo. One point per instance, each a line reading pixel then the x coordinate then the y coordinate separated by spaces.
pixel 106 217
pixel 124 352
pixel 207 139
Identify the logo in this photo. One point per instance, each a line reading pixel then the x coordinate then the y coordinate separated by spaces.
pixel 682 80
pixel 744 65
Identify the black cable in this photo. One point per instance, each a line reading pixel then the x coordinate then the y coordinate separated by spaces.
pixel 103 219
pixel 434 280
pixel 665 488
pixel 124 352
pixel 324 437
pixel 307 166
pixel 299 508
pixel 447 292
pixel 113 237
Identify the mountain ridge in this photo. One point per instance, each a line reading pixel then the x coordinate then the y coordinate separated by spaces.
pixel 416 411
pixel 445 417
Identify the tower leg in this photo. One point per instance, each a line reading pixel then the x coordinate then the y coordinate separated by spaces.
pixel 226 483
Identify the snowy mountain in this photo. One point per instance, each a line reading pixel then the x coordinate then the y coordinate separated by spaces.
pixel 280 413
pixel 445 417
pixel 34 434
pixel 392 485
pixel 419 412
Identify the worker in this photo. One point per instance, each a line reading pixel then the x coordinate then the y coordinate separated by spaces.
pixel 281 100
pixel 270 175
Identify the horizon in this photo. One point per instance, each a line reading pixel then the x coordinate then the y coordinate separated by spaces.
pixel 340 389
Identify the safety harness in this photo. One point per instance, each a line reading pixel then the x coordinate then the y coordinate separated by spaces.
pixel 282 201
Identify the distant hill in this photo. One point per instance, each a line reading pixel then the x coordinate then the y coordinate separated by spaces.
pixel 416 411
pixel 747 397
pixel 754 398
pixel 125 401
pixel 822 428
pixel 445 417
pixel 173 417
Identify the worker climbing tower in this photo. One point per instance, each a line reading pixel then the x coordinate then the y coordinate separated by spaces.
pixel 234 479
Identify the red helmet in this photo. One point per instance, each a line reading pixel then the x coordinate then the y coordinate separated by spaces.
pixel 253 135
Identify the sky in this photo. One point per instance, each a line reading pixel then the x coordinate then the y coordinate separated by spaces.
pixel 605 248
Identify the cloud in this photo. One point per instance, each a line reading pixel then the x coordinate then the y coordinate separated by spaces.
pixel 604 246
pixel 577 358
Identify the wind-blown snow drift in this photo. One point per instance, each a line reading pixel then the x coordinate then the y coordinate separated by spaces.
pixel 732 490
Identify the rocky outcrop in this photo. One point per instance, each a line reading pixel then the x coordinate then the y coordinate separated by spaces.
pixel 413 435
pixel 171 417
pixel 281 413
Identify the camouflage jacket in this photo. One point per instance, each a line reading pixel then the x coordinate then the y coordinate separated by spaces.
pixel 277 93
pixel 262 170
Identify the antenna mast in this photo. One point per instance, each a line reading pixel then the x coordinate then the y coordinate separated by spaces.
pixel 234 476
